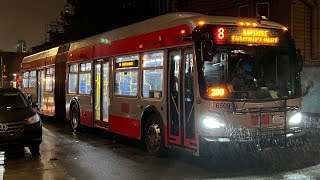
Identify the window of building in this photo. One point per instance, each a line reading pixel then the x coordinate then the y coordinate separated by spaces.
pixel 152 74
pixel 126 75
pixel 244 11
pixel 262 9
pixel 73 78
pixel 32 79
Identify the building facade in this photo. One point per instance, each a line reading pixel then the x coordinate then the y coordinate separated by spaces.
pixel 10 63
pixel 302 17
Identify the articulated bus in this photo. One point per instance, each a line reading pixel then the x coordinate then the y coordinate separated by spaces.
pixel 180 80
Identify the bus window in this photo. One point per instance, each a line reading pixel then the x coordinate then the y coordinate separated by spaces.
pixel 73 68
pixel 25 80
pixel 85 78
pixel 152 75
pixel 49 80
pixel 126 83
pixel 73 78
pixel 49 84
pixel 73 81
pixel 126 75
pixel 189 96
pixel 32 79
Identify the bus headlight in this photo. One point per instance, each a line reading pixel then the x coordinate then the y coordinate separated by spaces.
pixel 212 122
pixel 295 119
pixel 33 119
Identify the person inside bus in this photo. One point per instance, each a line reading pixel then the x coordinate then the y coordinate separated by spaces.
pixel 242 81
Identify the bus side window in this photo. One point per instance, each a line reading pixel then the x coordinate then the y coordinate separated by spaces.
pixel 152 74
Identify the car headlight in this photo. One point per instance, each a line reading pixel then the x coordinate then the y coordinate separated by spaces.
pixel 33 119
pixel 296 119
pixel 212 123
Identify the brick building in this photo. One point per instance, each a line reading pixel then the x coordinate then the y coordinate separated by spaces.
pixel 11 63
pixel 302 17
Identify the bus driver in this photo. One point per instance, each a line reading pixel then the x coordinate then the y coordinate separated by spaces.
pixel 242 81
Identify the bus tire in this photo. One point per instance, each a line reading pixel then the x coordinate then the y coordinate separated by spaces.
pixel 154 136
pixel 74 118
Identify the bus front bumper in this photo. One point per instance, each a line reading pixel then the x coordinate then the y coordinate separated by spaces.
pixel 209 145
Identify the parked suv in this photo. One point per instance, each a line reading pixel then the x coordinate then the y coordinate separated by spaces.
pixel 20 126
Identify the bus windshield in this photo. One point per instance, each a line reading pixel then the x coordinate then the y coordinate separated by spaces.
pixel 250 73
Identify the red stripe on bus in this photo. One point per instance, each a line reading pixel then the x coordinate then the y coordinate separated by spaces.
pixel 154 40
pixel 166 136
pixel 125 126
pixel 175 139
pixel 39 63
pixel 190 143
pixel 68 114
pixel 84 53
pixel 86 118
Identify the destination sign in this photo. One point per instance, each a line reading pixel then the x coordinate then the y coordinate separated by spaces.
pixel 249 36
pixel 127 64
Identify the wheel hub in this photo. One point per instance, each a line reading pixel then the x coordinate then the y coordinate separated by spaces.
pixel 74 120
pixel 154 137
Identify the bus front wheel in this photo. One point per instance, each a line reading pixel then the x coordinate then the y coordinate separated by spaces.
pixel 75 123
pixel 154 136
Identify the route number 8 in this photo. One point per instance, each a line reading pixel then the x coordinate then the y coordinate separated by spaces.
pixel 221 33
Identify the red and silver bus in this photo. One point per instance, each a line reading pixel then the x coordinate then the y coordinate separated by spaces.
pixel 179 80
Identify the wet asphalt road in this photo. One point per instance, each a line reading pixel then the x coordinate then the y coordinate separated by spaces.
pixel 94 154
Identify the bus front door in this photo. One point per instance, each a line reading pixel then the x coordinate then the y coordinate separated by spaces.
pixel 181 125
pixel 101 93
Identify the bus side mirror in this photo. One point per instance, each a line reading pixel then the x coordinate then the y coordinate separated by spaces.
pixel 299 62
pixel 207 50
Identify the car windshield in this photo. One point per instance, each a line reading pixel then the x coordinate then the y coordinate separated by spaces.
pixel 250 73
pixel 12 100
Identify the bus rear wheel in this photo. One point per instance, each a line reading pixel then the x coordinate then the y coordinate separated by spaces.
pixel 154 136
pixel 74 120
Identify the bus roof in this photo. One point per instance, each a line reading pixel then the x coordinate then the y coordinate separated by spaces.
pixel 151 25
pixel 163 22
pixel 41 55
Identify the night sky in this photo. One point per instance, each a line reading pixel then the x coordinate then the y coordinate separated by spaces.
pixel 26 20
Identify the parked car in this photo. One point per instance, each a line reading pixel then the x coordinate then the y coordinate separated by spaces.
pixel 20 126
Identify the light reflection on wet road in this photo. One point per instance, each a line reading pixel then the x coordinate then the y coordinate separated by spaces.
pixel 91 155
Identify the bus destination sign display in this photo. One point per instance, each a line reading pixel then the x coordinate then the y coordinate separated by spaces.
pixel 127 64
pixel 253 36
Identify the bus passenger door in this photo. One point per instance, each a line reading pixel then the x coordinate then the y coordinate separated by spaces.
pixel 105 94
pixel 188 99
pixel 101 93
pixel 181 99
pixel 174 98
pixel 40 89
pixel 97 94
